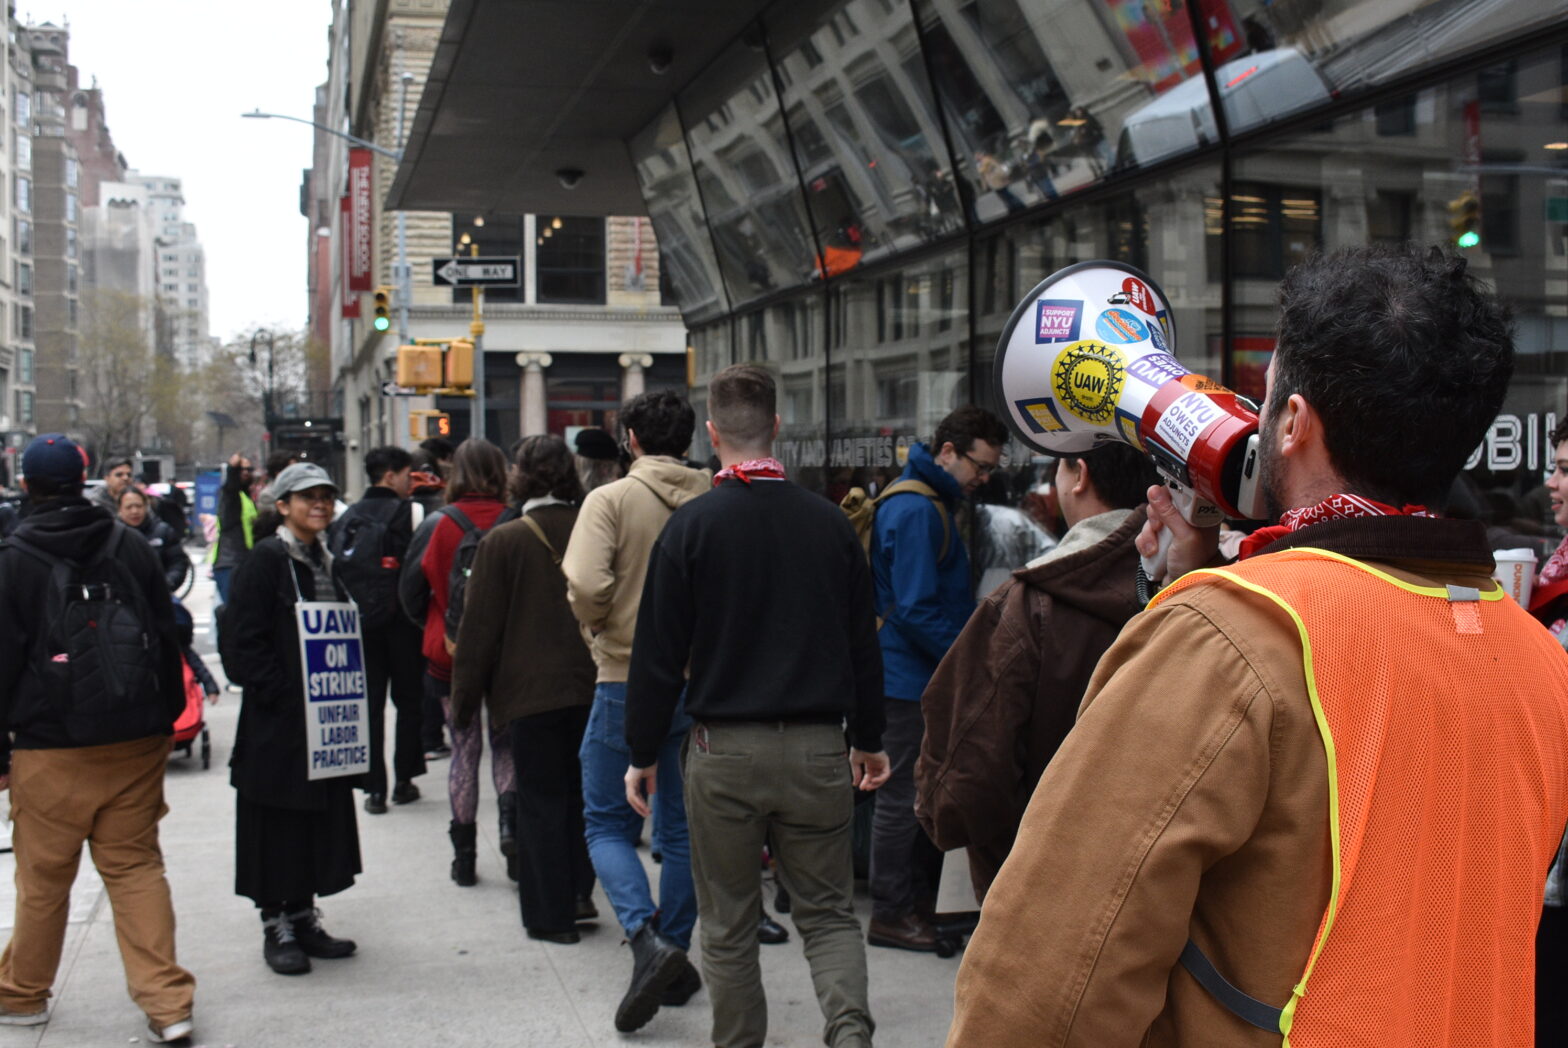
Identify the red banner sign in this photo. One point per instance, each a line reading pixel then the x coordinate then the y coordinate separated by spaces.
pixel 359 247
pixel 345 244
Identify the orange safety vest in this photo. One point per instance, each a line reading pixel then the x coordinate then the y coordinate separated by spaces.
pixel 1444 718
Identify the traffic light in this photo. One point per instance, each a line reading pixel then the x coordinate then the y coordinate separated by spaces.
pixel 383 311
pixel 424 424
pixel 1464 218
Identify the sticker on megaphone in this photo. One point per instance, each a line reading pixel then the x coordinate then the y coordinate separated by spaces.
pixel 1088 356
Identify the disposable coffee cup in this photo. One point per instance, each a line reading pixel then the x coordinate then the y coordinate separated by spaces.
pixel 1516 571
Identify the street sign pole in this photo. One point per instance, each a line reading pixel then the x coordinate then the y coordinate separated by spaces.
pixel 477 329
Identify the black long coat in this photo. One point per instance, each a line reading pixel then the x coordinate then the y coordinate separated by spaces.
pixel 260 645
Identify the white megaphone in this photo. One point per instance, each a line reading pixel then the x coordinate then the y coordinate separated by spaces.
pixel 1089 356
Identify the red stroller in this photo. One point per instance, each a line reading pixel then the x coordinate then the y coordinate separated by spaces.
pixel 191 722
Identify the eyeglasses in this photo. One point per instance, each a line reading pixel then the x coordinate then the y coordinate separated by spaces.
pixel 323 497
pixel 985 469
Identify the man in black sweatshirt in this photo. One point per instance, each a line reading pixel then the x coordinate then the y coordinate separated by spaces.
pixel 90 685
pixel 762 588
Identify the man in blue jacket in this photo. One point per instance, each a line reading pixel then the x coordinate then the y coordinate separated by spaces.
pixel 925 596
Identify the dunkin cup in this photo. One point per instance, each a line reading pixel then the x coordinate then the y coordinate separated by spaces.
pixel 1516 571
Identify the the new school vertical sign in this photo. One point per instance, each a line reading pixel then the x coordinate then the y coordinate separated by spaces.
pixel 337 715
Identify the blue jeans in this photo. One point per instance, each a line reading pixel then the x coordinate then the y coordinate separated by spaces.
pixel 220 579
pixel 613 826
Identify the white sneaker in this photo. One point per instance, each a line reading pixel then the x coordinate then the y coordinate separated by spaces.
pixel 175 1031
pixel 37 1018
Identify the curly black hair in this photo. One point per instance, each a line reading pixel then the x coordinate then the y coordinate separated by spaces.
pixel 1405 356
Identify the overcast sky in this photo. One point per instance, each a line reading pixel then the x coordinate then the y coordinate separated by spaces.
pixel 176 75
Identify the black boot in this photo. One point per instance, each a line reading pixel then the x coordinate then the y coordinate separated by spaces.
pixel 313 938
pixel 279 947
pixel 507 802
pixel 656 963
pixel 686 984
pixel 465 853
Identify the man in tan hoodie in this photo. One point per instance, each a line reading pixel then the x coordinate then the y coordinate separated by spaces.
pixel 605 564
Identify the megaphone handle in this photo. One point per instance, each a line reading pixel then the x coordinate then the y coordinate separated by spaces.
pixel 1154 567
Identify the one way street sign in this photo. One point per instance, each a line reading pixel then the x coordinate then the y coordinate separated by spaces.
pixel 484 271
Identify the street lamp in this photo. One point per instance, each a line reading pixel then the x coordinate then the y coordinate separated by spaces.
pixel 262 334
pixel 402 276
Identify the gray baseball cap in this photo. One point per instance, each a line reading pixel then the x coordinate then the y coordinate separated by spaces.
pixel 301 476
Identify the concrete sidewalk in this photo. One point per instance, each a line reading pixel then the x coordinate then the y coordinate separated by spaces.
pixel 437 964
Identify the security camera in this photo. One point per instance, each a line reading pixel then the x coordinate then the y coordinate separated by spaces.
pixel 660 58
pixel 569 177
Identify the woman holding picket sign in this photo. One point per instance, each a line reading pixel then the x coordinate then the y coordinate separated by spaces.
pixel 295 834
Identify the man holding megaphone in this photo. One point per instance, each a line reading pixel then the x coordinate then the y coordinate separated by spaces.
pixel 1313 795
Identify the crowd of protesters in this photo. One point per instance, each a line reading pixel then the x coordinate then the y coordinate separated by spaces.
pixel 1175 814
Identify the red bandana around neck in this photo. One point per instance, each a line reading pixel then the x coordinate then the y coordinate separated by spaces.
pixel 1334 507
pixel 765 468
pixel 1556 568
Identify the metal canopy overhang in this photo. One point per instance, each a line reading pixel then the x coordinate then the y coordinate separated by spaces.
pixel 520 89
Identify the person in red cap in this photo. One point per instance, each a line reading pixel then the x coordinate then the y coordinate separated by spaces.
pixel 90 683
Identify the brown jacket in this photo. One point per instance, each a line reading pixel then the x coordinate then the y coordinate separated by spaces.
pixel 518 649
pixel 1008 690
pixel 1190 800
pixel 607 560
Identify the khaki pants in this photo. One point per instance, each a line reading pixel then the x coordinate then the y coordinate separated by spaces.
pixel 786 785
pixel 111 797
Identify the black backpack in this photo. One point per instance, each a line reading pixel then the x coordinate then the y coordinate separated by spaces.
pixel 463 563
pixel 362 561
pixel 97 653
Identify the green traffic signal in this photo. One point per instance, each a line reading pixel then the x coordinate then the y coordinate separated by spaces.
pixel 1470 238
pixel 383 310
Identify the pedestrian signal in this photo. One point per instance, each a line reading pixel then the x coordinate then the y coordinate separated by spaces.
pixel 419 367
pixel 424 424
pixel 1464 218
pixel 459 364
pixel 383 311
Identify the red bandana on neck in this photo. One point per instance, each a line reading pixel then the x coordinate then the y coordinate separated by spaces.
pixel 1332 508
pixel 1556 568
pixel 766 468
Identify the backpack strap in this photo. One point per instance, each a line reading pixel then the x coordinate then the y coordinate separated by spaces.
pixel 920 487
pixel 459 518
pixel 533 526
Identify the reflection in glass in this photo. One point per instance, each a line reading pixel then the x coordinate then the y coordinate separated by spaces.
pixel 741 157
pixel 669 188
pixel 1276 58
pixel 900 364
pixel 1045 99
pixel 865 130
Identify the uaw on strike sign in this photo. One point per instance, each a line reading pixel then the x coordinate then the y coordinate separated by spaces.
pixel 337 714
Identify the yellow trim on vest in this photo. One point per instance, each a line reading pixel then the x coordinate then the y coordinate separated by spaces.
pixel 1496 593
pixel 1287 1016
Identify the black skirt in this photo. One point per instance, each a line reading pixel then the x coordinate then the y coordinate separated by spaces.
pixel 283 855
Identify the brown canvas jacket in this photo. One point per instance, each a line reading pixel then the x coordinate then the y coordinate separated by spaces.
pixel 1189 800
pixel 1008 690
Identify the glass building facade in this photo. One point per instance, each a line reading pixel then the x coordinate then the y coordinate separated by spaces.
pixel 858 193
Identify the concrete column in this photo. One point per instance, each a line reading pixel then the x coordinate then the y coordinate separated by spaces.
pixel 632 377
pixel 531 398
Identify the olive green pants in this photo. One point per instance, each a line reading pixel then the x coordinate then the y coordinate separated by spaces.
pixel 786 785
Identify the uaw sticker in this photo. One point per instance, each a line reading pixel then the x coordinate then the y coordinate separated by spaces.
pixel 1057 320
pixel 1118 325
pixel 1087 380
pixel 1139 295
